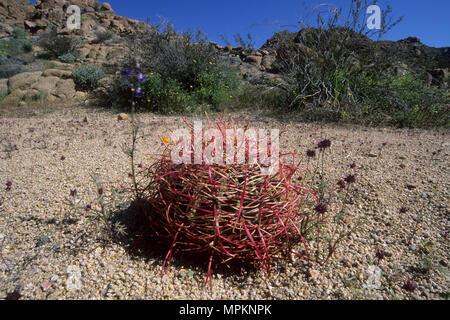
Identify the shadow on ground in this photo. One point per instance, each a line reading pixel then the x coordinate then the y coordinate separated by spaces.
pixel 142 243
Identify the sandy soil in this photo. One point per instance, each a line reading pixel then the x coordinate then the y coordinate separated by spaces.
pixel 52 251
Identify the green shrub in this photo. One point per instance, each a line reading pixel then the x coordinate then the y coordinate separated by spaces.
pixel 56 45
pixel 67 58
pixel 176 56
pixel 215 85
pixel 182 74
pixel 13 47
pixel 86 77
pixel 19 33
pixel 10 67
pixel 103 36
pixel 7 71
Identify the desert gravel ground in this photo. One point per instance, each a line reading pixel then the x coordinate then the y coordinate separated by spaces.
pixel 51 251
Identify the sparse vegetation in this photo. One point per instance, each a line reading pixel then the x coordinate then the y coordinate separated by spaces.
pixel 86 77
pixel 182 72
pixel 67 58
pixel 57 45
pixel 334 73
pixel 105 35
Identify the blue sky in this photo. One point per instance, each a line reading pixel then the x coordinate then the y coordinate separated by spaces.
pixel 428 20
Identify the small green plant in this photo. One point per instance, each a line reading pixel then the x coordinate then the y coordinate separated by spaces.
pixel 19 33
pixel 86 77
pixel 67 58
pixel 40 96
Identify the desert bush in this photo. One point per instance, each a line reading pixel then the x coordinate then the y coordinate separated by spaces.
pixel 10 67
pixel 181 74
pixel 9 70
pixel 103 36
pixel 67 58
pixel 19 33
pixel 13 47
pixel 173 55
pixel 57 45
pixel 215 85
pixel 86 77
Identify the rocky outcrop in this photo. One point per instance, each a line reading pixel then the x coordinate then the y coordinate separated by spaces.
pixel 46 14
pixel 408 55
pixel 15 11
pixel 51 85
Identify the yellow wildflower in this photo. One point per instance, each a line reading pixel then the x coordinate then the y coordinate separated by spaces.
pixel 165 140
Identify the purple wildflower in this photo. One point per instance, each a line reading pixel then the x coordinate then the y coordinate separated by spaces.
pixel 139 92
pixel 311 153
pixel 324 143
pixel 380 254
pixel 141 77
pixel 321 208
pixel 341 184
pixel 126 72
pixel 350 178
pixel 409 286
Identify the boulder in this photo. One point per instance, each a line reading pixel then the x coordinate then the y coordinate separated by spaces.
pixel 106 7
pixel 254 60
pixel 65 89
pixel 23 80
pixel 267 61
pixel 65 74
pixel 47 84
